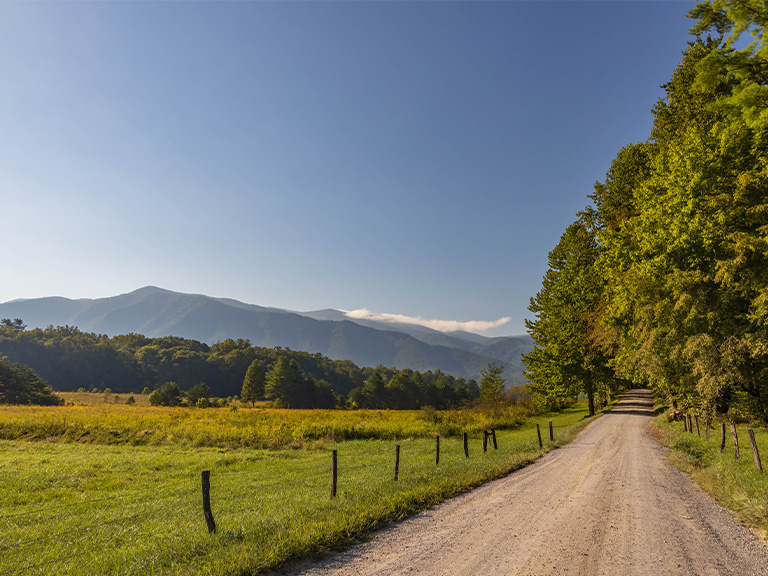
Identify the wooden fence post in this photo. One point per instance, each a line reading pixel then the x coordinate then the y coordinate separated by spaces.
pixel 722 436
pixel 397 461
pixel 466 445
pixel 485 440
pixel 493 435
pixel 551 432
pixel 538 433
pixel 207 502
pixel 735 441
pixel 334 472
pixel 437 450
pixel 755 453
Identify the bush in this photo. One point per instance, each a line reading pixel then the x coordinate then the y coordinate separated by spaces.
pixel 169 394
pixel 197 393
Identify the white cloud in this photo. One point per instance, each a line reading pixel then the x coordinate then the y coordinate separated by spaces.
pixel 476 326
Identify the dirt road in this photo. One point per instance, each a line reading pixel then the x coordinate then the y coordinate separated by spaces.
pixel 608 503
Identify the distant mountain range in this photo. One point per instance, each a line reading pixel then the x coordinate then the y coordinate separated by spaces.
pixel 156 312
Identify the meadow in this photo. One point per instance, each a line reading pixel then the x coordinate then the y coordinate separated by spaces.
pixel 74 504
pixel 735 483
pixel 93 420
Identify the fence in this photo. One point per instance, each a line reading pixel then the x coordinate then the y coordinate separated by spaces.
pixel 148 529
pixel 689 421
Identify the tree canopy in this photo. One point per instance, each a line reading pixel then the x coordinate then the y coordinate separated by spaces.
pixel 20 384
pixel 678 241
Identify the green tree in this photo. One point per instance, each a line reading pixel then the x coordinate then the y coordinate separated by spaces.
pixel 566 360
pixel 253 383
pixel 285 384
pixel 324 395
pixel 198 392
pixel 492 385
pixel 743 63
pixel 169 394
pixel 20 384
pixel 403 392
pixel 15 325
pixel 373 393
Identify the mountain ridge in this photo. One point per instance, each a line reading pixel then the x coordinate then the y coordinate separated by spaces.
pixel 156 312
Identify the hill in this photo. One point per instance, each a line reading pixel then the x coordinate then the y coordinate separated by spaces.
pixel 155 312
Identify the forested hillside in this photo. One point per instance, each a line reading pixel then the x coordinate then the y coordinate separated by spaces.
pixel 663 281
pixel 158 313
pixel 70 359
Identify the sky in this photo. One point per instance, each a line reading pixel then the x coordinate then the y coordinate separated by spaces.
pixel 410 160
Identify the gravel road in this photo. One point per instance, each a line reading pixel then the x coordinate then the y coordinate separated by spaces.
pixel 608 503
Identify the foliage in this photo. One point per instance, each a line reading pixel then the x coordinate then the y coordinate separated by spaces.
pixel 673 292
pixel 169 394
pixel 20 384
pixel 567 359
pixel 198 392
pixel 71 359
pixel 492 385
pixel 253 383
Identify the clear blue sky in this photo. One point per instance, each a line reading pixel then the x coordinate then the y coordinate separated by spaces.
pixel 413 158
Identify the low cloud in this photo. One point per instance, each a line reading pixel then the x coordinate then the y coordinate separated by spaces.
pixel 476 326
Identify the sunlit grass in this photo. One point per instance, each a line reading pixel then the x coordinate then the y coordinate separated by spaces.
pixel 83 509
pixel 736 484
pixel 232 428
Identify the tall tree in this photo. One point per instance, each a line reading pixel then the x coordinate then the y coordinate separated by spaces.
pixel 492 385
pixel 285 384
pixel 253 383
pixel 566 360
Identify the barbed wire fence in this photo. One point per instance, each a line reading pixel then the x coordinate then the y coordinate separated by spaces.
pixel 102 535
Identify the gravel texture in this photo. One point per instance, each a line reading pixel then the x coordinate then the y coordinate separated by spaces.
pixel 607 503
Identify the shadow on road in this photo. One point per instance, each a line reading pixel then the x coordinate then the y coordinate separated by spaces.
pixel 634 402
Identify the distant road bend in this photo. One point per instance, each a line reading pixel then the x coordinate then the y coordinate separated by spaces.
pixel 606 504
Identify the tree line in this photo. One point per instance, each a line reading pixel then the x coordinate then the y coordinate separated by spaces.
pixel 177 370
pixel 663 280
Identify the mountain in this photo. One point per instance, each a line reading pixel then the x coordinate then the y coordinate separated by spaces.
pixel 156 312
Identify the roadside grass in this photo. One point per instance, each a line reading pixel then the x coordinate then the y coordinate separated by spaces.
pixel 736 484
pixel 82 509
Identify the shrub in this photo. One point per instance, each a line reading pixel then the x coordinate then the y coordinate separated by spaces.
pixel 169 394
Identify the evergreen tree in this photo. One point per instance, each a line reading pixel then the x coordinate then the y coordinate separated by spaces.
pixel 492 385
pixel 253 383
pixel 285 384
pixel 19 384
pixel 566 359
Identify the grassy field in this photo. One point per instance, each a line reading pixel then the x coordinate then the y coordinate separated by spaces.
pixel 75 508
pixel 118 423
pixel 736 484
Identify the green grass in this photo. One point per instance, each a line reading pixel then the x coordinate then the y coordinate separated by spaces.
pixel 83 509
pixel 736 484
